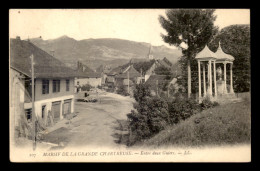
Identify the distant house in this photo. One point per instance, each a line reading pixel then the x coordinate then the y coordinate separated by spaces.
pixel 110 80
pixel 157 63
pixel 54 83
pixel 129 76
pixel 161 83
pixel 103 70
pixel 87 76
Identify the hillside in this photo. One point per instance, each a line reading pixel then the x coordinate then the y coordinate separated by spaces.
pixel 96 52
pixel 222 125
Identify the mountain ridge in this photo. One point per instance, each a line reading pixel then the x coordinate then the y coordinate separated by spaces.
pixel 103 51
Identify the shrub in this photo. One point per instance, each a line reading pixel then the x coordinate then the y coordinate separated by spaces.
pixel 150 117
pixel 207 103
pixel 86 87
pixel 154 114
pixel 121 90
pixel 181 109
pixel 141 92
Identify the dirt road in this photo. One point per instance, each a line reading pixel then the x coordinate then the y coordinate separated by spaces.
pixel 96 124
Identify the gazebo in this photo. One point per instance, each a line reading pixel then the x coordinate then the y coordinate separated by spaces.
pixel 207 57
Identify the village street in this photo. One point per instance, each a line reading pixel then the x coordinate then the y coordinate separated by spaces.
pixel 96 124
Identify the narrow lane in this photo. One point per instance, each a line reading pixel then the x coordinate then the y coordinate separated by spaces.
pixel 96 123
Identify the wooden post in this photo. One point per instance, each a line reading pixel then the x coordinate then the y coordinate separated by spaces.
pixel 168 91
pixel 204 81
pixel 215 80
pixel 128 82
pixel 199 80
pixel 33 112
pixel 157 93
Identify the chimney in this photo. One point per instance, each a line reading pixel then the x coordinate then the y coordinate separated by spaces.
pixel 52 52
pixel 18 38
pixel 79 65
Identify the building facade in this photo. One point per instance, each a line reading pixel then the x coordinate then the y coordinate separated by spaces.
pixel 53 84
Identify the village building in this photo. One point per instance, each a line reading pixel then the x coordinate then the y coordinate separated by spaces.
pixel 157 63
pixel 159 84
pixel 122 76
pixel 86 76
pixel 128 78
pixel 103 70
pixel 54 84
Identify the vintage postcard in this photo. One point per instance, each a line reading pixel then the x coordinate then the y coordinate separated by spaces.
pixel 129 85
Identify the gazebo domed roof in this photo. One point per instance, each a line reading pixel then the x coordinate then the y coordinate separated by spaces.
pixel 206 53
pixel 222 55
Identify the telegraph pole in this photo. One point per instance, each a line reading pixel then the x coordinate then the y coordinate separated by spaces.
pixel 33 112
pixel 141 75
pixel 157 92
pixel 128 81
pixel 168 90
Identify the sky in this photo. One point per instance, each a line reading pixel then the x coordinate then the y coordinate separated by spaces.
pixel 139 25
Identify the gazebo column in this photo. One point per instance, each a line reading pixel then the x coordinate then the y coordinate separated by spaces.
pixel 210 79
pixel 215 80
pixel 225 78
pixel 204 81
pixel 199 81
pixel 231 79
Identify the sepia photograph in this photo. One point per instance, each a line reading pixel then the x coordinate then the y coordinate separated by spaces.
pixel 129 85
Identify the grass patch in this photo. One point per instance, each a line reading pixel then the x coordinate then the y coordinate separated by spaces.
pixel 226 124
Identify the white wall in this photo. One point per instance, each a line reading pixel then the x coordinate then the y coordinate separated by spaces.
pixel 48 103
pixel 91 81
pixel 146 77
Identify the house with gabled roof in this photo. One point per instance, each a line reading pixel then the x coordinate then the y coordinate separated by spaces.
pixel 54 83
pixel 129 73
pixel 157 63
pixel 128 78
pixel 161 83
pixel 87 76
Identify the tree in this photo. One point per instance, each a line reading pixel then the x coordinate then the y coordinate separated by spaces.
pixel 143 66
pixel 235 40
pixel 150 115
pixel 121 90
pixel 141 92
pixel 190 30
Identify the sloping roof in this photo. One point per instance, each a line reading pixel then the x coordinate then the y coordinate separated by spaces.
pixel 132 73
pixel 163 63
pixel 118 70
pixel 167 61
pixel 86 72
pixel 45 65
pixel 205 53
pixel 222 55
pixel 152 81
pixel 100 69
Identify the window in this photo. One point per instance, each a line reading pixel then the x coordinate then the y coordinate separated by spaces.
pixel 28 114
pixel 55 86
pixel 67 85
pixel 45 86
